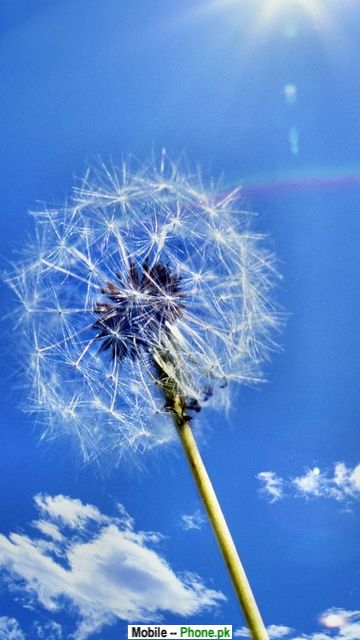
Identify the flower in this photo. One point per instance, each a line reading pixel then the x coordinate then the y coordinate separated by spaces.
pixel 145 273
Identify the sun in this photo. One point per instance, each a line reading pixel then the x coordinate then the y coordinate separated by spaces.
pixel 264 17
pixel 314 10
pixel 267 15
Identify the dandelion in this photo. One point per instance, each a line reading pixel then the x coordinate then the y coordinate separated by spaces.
pixel 145 298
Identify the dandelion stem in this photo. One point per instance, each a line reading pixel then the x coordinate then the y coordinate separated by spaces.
pixel 176 403
pixel 221 530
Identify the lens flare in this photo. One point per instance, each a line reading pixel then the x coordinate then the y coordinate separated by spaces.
pixel 334 619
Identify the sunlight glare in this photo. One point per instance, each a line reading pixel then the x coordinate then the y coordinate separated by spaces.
pixel 272 8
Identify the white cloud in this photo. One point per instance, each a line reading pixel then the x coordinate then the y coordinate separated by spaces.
pixel 311 482
pixel 192 521
pixel 335 618
pixel 313 636
pixel 343 484
pixel 49 631
pixel 10 629
pixel 48 529
pixel 278 631
pixel 272 485
pixel 108 571
pixel 350 632
pixel 343 625
pixel 241 633
pixel 346 622
pixel 274 631
pixel 72 513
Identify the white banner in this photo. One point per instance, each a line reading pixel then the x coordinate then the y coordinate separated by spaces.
pixel 175 631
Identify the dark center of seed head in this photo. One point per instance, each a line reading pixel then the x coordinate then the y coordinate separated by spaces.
pixel 139 307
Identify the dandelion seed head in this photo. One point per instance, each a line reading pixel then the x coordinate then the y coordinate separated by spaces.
pixel 143 268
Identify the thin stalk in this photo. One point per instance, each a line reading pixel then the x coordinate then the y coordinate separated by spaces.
pixel 177 405
pixel 223 535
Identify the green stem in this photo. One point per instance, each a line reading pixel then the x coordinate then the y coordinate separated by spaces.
pixel 177 405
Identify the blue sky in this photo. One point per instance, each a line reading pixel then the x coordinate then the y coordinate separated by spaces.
pixel 265 94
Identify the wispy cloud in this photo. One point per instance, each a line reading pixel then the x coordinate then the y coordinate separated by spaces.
pixel 100 565
pixel 274 631
pixel 49 631
pixel 192 521
pixel 342 484
pixel 66 511
pixel 336 624
pixel 10 629
pixel 272 485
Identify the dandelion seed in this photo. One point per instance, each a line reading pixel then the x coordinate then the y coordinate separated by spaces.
pixel 144 269
pixel 146 296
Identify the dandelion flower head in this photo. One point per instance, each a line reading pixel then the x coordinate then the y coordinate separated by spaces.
pixel 143 269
